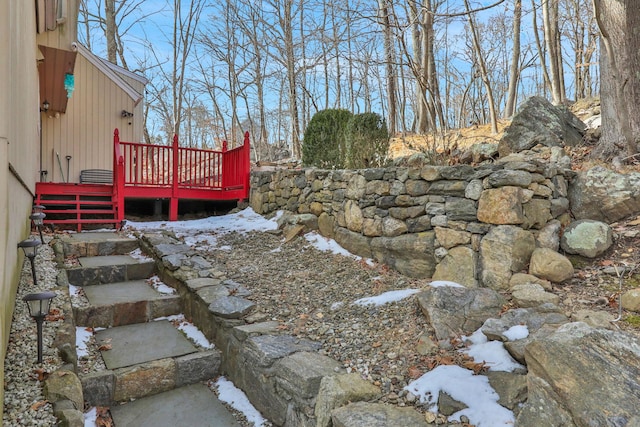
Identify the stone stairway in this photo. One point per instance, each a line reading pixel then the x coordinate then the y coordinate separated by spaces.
pixel 154 375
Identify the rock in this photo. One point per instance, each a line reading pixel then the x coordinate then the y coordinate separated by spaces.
pixel 501 206
pixel 364 414
pixel 353 216
pixel 631 300
pixel 532 295
pixel 537 212
pixel 70 418
pixel 483 151
pixel 604 195
pixel 460 209
pixel 595 319
pixel 533 318
pixel 549 235
pixel 425 345
pixel 515 178
pixel 504 250
pixel 301 373
pixel 410 254
pixel 326 225
pixel 452 311
pixel 231 307
pixel 587 238
pixel 459 265
pixel 338 390
pixel 550 265
pixel 356 187
pixel 511 387
pixel 448 238
pixel 392 227
pixel 309 221
pixel 522 278
pixel 540 122
pixel 583 376
pixel 292 231
pixel 64 385
pixel 473 190
pixel 447 405
pixel 355 243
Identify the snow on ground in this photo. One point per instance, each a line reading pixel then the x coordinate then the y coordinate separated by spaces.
pixel 189 329
pixel 83 335
pixel 160 286
pixel 137 254
pixel 462 385
pixel 387 297
pixel 230 394
pixel 91 417
pixel 203 233
pixel 492 353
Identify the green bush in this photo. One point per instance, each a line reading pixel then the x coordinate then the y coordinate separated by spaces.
pixel 367 141
pixel 324 144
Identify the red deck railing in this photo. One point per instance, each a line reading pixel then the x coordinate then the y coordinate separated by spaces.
pixel 174 172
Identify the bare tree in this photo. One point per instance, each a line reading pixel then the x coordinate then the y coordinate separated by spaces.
pixel 618 22
pixel 554 49
pixel 514 68
pixel 384 18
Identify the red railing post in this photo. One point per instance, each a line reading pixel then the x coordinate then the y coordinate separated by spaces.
pixel 224 180
pixel 173 203
pixel 118 177
pixel 246 164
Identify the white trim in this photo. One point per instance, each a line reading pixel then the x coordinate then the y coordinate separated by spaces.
pixel 111 73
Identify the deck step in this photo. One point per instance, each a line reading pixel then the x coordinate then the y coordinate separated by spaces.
pixel 97 270
pixel 124 303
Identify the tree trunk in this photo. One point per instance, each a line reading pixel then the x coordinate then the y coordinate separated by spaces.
pixel 552 42
pixel 619 21
pixel 110 29
pixel 514 68
pixel 385 22
pixel 484 75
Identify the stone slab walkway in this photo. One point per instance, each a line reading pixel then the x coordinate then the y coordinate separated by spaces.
pixel 114 293
pixel 193 405
pixel 142 342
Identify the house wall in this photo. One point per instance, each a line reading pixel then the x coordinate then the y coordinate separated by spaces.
pixel 19 139
pixel 85 132
pixel 65 33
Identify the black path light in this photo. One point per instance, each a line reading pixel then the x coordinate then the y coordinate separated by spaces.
pixel 30 248
pixel 38 221
pixel 39 305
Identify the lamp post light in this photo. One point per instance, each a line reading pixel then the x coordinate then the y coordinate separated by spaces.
pixel 38 221
pixel 30 247
pixel 38 305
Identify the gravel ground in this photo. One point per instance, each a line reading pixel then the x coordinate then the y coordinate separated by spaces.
pixel 24 403
pixel 311 292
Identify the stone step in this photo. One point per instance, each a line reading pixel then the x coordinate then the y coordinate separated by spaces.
pixel 193 405
pixel 145 359
pixel 97 244
pixel 98 270
pixel 124 303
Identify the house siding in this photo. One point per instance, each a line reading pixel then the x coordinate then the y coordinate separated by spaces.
pixel 85 132
pixel 19 141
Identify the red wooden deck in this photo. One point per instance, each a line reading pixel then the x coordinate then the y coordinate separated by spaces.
pixel 146 171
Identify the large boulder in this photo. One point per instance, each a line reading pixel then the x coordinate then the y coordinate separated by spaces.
pixel 452 311
pixel 550 265
pixel 581 376
pixel 587 238
pixel 540 122
pixel 604 195
pixel 505 250
pixel 410 254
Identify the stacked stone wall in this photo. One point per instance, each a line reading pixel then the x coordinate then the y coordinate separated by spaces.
pixel 474 225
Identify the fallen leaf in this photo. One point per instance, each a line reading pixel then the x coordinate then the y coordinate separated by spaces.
pixel 39 404
pixel 414 372
pixel 41 374
pixel 606 262
pixel 104 347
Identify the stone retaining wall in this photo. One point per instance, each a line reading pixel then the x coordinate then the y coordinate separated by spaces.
pixel 473 225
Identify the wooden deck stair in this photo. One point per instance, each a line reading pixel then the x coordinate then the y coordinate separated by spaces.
pixel 73 204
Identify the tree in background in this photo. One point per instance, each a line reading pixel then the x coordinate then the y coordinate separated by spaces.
pixel 619 21
pixel 367 141
pixel 324 144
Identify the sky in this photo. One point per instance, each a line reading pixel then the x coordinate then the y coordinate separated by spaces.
pixel 461 384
